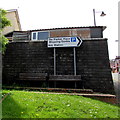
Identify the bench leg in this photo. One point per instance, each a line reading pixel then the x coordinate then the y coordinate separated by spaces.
pixel 83 85
pixel 47 84
pixel 75 85
pixel 54 84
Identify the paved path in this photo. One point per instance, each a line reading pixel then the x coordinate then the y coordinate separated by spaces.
pixel 115 76
pixel 116 80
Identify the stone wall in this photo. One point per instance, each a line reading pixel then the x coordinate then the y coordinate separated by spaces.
pixel 34 57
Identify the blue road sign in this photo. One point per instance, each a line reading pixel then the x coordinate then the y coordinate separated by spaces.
pixel 73 39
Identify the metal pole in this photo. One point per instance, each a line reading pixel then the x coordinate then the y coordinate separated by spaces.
pixel 74 61
pixel 94 17
pixel 54 61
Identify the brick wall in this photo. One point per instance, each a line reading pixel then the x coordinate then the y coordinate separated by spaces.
pixel 34 57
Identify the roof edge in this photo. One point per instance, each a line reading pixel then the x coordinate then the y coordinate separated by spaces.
pixel 103 28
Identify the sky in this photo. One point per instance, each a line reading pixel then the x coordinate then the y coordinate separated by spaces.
pixel 42 14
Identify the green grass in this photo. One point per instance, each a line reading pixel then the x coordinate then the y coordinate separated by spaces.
pixel 23 104
pixel 4 94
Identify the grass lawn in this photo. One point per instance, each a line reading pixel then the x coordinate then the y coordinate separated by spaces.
pixel 23 104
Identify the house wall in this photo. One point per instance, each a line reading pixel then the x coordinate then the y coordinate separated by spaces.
pixel 93 32
pixel 82 32
pixel 96 33
pixel 15 23
pixel 35 57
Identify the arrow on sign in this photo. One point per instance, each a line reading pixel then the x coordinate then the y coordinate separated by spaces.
pixel 77 40
pixel 80 41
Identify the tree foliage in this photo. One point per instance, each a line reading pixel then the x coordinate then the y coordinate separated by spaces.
pixel 4 22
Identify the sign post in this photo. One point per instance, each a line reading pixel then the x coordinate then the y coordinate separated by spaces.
pixel 74 60
pixel 64 42
pixel 54 61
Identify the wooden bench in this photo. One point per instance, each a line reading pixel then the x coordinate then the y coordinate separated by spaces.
pixel 45 77
pixel 65 78
pixel 33 76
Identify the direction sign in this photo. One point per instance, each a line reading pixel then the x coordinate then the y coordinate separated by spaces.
pixel 64 42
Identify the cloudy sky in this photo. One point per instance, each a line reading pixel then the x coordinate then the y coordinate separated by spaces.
pixel 40 14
